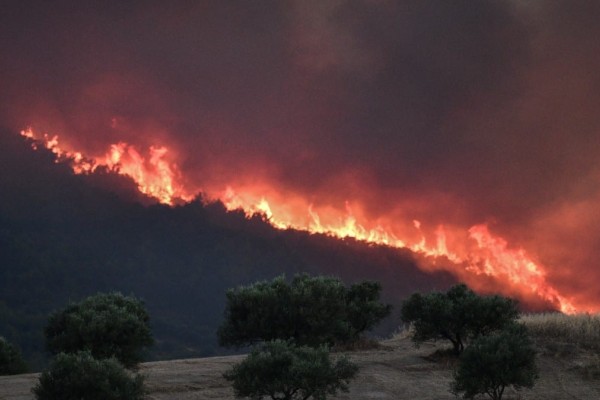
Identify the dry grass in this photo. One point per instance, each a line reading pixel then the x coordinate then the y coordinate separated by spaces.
pixel 590 368
pixel 395 371
pixel 582 330
pixel 362 344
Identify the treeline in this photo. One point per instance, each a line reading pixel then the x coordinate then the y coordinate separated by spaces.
pixel 297 324
pixel 292 328
pixel 64 237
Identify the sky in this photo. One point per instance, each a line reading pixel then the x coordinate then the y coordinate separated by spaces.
pixel 416 117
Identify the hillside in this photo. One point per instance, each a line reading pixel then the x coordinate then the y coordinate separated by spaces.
pixel 396 371
pixel 64 237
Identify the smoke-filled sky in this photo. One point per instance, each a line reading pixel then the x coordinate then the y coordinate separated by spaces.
pixel 453 113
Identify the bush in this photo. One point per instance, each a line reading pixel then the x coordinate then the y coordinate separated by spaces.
pixel 283 371
pixel 108 325
pixel 492 363
pixel 311 310
pixel 457 315
pixel 11 362
pixel 80 376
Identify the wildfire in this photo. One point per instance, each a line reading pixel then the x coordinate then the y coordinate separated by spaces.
pixel 483 254
pixel 480 252
pixel 154 175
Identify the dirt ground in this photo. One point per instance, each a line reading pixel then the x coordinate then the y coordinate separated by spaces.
pixel 396 371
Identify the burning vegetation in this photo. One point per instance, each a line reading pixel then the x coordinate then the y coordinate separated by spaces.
pixel 471 255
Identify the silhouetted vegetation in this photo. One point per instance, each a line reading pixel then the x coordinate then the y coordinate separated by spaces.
pixel 311 310
pixel 491 363
pixel 64 237
pixel 79 376
pixel 283 371
pixel 107 325
pixel 458 315
pixel 11 362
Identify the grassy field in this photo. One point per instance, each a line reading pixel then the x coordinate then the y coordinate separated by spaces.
pixel 561 335
pixel 567 358
pixel 580 330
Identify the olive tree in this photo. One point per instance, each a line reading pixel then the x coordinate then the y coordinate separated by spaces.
pixel 494 362
pixel 79 376
pixel 364 308
pixel 106 324
pixel 281 370
pixel 11 362
pixel 458 315
pixel 310 310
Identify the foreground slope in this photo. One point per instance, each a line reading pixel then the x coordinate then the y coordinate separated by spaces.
pixel 395 370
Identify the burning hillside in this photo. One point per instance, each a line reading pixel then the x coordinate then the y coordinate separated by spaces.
pixel 477 252
pixel 465 132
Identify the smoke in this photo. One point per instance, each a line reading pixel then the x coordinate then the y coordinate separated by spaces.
pixel 450 113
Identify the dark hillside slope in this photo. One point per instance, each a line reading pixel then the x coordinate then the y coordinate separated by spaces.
pixel 66 236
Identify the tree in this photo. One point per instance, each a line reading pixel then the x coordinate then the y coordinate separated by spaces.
pixel 492 363
pixel 364 307
pixel 311 310
pixel 11 362
pixel 283 371
pixel 108 325
pixel 79 376
pixel 492 313
pixel 457 315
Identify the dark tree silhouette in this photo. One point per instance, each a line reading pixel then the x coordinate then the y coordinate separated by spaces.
pixel 106 325
pixel 310 310
pixel 457 315
pixel 492 363
pixel 283 371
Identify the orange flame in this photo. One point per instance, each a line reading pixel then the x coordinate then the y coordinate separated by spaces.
pixel 480 252
pixel 497 258
pixel 154 176
pixel 484 254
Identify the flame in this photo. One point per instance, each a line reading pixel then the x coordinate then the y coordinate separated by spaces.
pixel 154 175
pixel 483 254
pixel 514 264
pixel 469 254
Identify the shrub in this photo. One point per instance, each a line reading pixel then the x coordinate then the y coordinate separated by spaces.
pixel 79 376
pixel 11 362
pixel 457 315
pixel 311 310
pixel 283 371
pixel 492 363
pixel 108 325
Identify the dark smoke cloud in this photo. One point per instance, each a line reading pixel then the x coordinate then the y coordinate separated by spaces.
pixel 457 112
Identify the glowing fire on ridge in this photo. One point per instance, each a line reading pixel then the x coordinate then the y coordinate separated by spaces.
pixel 483 253
pixel 154 176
